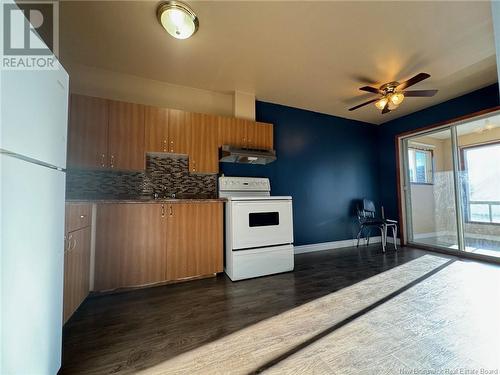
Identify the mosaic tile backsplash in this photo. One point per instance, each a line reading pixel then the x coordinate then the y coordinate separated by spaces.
pixel 165 175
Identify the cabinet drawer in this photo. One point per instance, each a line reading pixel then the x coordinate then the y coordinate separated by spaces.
pixel 78 215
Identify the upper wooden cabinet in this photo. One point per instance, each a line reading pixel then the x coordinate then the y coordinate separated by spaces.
pixel 130 245
pixel 126 136
pixel 260 135
pixel 204 152
pixel 116 135
pixel 179 131
pixel 156 129
pixel 88 132
pixel 245 133
pixel 105 134
pixel 232 131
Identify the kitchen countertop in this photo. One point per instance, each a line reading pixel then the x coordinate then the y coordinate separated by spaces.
pixel 157 201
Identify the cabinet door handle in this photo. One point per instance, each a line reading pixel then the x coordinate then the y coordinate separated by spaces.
pixel 164 145
pixel 82 216
pixel 103 162
pixel 112 162
pixel 162 210
pixel 74 244
pixel 171 211
pixel 171 146
pixel 69 242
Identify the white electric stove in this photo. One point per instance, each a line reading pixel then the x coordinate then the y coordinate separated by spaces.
pixel 259 228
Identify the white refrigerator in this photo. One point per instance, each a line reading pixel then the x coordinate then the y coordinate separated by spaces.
pixel 34 117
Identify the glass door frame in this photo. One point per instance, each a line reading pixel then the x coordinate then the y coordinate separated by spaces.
pixel 404 190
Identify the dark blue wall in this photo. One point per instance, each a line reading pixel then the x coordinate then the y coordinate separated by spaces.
pixel 463 105
pixel 324 163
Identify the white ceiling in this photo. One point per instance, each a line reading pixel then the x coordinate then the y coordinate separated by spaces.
pixel 311 55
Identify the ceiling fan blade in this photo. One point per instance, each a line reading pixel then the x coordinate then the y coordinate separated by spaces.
pixel 386 109
pixel 419 77
pixel 363 104
pixel 420 93
pixel 370 89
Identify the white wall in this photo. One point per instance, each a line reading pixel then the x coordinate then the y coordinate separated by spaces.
pixel 103 83
pixel 423 208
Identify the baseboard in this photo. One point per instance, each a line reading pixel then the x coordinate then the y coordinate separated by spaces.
pixel 338 244
pixel 332 245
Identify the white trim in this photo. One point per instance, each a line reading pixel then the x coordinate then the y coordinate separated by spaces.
pixel 432 234
pixel 479 236
pixel 332 245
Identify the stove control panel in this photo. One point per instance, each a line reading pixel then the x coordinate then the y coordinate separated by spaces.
pixel 244 184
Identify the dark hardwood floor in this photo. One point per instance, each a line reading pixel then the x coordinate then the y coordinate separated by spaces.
pixel 130 331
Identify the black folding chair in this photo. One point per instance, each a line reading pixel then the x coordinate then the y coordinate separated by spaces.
pixel 368 219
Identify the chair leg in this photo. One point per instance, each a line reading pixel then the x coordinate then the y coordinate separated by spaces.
pixel 394 234
pixel 382 232
pixel 359 235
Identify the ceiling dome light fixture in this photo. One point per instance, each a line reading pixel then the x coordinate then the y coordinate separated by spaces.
pixel 178 19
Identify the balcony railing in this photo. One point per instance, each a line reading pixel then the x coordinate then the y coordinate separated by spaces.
pixel 484 212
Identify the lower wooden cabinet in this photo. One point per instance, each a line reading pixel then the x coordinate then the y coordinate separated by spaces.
pixel 194 240
pixel 139 244
pixel 76 270
pixel 130 245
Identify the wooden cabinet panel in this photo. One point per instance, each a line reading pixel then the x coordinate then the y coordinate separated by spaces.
pixel 204 155
pixel 194 240
pixel 126 136
pixel 88 132
pixel 179 131
pixel 232 131
pixel 260 135
pixel 76 271
pixel 78 215
pixel 156 129
pixel 130 245
pixel 210 245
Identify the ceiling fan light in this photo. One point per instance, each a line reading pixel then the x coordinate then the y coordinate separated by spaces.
pixel 380 104
pixel 397 98
pixel 178 19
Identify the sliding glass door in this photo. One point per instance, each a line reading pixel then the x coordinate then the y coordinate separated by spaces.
pixel 430 187
pixel 457 166
pixel 479 170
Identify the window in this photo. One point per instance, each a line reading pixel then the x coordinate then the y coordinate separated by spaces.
pixel 421 166
pixel 482 179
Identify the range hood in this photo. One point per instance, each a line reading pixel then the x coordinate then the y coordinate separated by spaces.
pixel 231 154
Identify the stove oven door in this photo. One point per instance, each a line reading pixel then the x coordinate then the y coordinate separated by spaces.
pixel 261 223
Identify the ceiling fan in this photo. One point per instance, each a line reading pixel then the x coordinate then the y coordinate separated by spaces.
pixel 393 93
